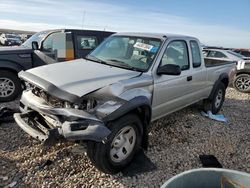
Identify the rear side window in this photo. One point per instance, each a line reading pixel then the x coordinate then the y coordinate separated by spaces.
pixel 86 42
pixel 196 56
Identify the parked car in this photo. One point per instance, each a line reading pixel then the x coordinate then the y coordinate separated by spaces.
pixel 244 52
pixel 25 37
pixel 43 48
pixel 241 80
pixel 224 54
pixel 10 39
pixel 110 98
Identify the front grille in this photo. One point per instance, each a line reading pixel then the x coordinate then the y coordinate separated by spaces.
pixel 51 101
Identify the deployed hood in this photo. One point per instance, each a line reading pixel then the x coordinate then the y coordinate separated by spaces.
pixel 80 77
pixel 15 50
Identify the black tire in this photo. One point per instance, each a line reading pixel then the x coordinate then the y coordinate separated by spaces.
pixel 242 83
pixel 99 153
pixel 14 81
pixel 212 104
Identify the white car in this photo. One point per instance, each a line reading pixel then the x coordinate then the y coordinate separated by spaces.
pixel 224 54
pixel 241 81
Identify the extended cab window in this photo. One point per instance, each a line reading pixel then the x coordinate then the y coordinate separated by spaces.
pixel 85 42
pixel 196 56
pixel 176 53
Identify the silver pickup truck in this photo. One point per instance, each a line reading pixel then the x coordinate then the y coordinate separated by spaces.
pixel 110 98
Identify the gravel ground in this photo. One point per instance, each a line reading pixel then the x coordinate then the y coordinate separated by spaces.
pixel 176 141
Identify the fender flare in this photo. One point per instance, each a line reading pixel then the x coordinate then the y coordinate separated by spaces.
pixel 133 104
pixel 10 66
pixel 223 78
pixel 140 105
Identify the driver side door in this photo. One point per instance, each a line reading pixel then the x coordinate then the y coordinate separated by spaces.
pixel 172 92
pixel 53 49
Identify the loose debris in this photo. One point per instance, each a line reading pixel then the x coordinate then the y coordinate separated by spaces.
pixel 209 161
pixel 217 117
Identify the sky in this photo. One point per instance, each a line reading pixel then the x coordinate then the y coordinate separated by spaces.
pixel 215 22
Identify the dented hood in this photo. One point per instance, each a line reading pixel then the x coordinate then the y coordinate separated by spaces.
pixel 80 77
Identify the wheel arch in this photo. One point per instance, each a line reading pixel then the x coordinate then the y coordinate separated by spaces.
pixel 140 106
pixel 223 78
pixel 242 72
pixel 10 66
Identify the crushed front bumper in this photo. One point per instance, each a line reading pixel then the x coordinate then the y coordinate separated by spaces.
pixel 70 124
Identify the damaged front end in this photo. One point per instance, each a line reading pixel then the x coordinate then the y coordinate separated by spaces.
pixel 45 117
pixel 50 113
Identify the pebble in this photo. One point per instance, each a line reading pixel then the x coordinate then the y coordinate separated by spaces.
pixel 12 184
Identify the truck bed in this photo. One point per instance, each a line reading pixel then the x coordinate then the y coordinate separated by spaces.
pixel 212 62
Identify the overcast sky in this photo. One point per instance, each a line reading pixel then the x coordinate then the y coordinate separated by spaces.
pixel 215 22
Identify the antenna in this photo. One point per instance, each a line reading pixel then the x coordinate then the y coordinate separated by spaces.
pixel 83 18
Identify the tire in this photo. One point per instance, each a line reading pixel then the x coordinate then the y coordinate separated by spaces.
pixel 10 86
pixel 242 83
pixel 214 105
pixel 104 157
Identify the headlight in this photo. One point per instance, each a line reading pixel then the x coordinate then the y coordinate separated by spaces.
pixel 87 105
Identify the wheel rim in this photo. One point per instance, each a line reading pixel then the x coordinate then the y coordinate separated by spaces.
pixel 218 98
pixel 243 83
pixel 7 87
pixel 123 144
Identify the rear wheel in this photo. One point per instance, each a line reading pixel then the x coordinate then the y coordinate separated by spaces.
pixel 123 142
pixel 242 83
pixel 10 86
pixel 214 105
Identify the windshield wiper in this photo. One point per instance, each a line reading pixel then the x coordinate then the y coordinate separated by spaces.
pixel 122 64
pixel 95 59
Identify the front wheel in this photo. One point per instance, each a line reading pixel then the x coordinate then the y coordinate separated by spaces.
pixel 215 103
pixel 10 86
pixel 242 83
pixel 123 142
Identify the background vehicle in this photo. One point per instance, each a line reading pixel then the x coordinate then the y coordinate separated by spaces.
pixel 224 54
pixel 48 47
pixel 110 98
pixel 245 52
pixel 241 80
pixel 10 39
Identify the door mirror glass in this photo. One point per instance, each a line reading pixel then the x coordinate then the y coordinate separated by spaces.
pixel 34 45
pixel 169 69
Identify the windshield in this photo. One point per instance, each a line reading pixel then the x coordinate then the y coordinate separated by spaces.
pixel 38 37
pixel 236 54
pixel 129 52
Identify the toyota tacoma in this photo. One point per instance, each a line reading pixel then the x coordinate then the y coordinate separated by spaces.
pixel 109 98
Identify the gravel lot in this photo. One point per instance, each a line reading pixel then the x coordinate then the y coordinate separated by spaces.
pixel 176 141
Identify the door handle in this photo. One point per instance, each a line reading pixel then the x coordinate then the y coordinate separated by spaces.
pixel 189 78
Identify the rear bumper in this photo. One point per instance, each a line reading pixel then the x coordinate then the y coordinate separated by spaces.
pixel 69 123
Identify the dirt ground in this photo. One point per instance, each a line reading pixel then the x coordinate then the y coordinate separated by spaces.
pixel 176 141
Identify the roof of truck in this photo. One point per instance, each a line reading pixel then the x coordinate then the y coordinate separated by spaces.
pixel 156 35
pixel 78 31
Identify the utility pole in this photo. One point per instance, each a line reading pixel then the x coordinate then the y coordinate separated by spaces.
pixel 83 18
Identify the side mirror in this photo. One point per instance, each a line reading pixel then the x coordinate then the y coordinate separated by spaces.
pixel 169 69
pixel 34 45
